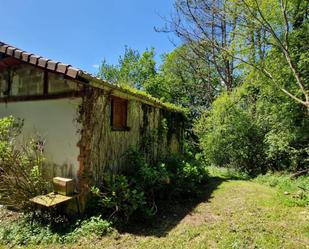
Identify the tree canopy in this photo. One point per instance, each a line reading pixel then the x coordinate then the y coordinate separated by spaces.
pixel 243 70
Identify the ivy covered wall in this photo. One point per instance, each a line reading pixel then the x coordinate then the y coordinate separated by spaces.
pixel 150 129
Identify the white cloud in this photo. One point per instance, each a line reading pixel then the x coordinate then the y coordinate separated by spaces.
pixel 96 66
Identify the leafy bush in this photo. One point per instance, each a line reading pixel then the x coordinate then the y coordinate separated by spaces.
pixel 134 193
pixel 122 196
pixel 229 136
pixel 117 199
pixel 20 166
pixel 186 175
pixel 93 226
pixel 24 232
pixel 255 128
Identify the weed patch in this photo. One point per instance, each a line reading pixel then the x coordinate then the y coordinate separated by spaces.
pixel 290 191
pixel 27 232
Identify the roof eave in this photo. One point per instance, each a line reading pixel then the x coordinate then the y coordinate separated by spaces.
pixel 102 84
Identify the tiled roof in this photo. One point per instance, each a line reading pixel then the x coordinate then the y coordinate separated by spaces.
pixel 39 61
pixel 78 74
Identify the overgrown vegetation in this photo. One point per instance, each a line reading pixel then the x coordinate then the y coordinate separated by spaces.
pixel 292 191
pixel 29 231
pixel 20 166
pixel 257 134
pixel 134 193
pixel 131 195
pixel 256 216
pixel 242 70
pixel 260 122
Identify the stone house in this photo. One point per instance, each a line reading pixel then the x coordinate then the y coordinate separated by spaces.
pixel 84 124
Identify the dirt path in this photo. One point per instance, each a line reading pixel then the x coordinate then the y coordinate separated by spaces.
pixel 231 214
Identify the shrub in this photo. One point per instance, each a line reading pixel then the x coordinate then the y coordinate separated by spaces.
pixel 255 128
pixel 149 178
pixel 86 228
pixel 135 192
pixel 186 175
pixel 230 137
pixel 20 166
pixel 117 199
pixel 25 232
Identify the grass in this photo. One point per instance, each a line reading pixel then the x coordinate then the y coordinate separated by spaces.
pixel 231 213
pixel 227 173
pixel 292 192
pixel 24 231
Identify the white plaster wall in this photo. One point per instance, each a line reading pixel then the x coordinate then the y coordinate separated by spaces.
pixel 55 122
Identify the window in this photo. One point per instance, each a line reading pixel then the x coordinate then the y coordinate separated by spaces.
pixel 119 110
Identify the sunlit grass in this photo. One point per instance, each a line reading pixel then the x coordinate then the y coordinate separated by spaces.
pixel 237 213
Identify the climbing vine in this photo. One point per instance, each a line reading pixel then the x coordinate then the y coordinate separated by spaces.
pixel 87 121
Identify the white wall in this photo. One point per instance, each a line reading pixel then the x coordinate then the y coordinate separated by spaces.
pixel 55 122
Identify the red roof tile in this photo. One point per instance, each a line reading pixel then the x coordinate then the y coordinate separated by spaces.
pixel 68 70
pixel 41 62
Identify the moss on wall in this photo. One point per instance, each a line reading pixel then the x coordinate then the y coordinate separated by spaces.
pixel 152 130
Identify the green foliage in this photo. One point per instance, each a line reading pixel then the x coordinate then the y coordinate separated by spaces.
pixel 147 96
pixel 118 200
pixel 184 79
pixel 124 195
pixel 227 173
pixel 133 69
pixel 134 194
pixel 175 81
pixel 9 129
pixel 292 191
pixel 24 232
pixel 136 73
pixel 186 175
pixel 229 136
pixel 20 166
pixel 93 226
pixel 255 128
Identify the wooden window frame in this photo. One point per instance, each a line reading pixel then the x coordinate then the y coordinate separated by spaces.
pixel 124 103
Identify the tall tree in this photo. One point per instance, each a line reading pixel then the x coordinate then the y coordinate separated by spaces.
pixel 133 69
pixel 207 29
pixel 231 33
pixel 280 21
pixel 184 79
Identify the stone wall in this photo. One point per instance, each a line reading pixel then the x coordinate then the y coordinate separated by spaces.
pixel 150 129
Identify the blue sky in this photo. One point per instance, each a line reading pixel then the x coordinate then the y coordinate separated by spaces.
pixel 82 33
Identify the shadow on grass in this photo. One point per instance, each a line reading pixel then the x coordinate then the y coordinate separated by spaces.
pixel 172 212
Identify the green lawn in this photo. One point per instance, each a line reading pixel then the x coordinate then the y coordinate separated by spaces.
pixel 230 214
pixel 238 214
